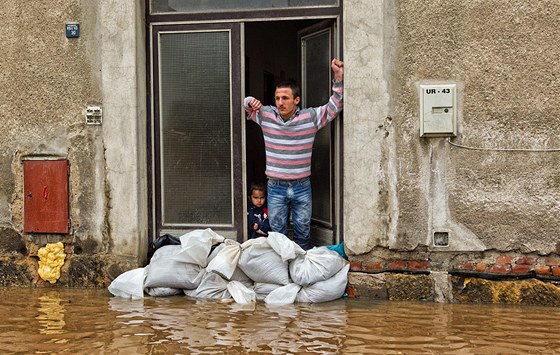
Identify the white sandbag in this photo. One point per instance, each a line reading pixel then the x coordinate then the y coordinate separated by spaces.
pixel 324 291
pixel 196 245
pixel 211 286
pixel 237 275
pixel 225 261
pixel 165 271
pixel 240 276
pixel 241 293
pixel 283 295
pixel 262 264
pixel 286 248
pixel 317 264
pixel 162 291
pixel 129 284
pixel 262 289
pixel 190 293
pixel 214 252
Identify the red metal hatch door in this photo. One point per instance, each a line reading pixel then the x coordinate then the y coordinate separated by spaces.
pixel 46 196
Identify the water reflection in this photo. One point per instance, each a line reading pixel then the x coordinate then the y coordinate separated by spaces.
pixel 92 321
pixel 51 317
pixel 217 325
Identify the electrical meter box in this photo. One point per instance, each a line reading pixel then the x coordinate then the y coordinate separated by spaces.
pixel 438 110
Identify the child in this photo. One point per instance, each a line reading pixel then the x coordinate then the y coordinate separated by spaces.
pixel 257 213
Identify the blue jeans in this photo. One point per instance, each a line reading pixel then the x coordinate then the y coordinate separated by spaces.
pixel 294 195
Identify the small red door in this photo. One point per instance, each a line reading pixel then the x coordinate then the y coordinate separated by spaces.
pixel 46 206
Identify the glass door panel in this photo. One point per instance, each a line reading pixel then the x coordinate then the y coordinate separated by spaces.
pixel 196 140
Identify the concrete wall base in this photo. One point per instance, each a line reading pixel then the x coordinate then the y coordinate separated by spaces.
pixel 78 271
pixel 442 287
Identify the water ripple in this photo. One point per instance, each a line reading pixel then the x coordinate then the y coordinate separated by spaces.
pixel 52 321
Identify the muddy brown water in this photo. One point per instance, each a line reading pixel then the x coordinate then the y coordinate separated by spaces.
pixel 92 321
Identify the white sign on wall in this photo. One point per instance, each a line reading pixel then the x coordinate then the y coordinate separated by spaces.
pixel 438 110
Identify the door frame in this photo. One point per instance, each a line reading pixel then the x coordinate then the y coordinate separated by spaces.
pixel 319 229
pixel 170 22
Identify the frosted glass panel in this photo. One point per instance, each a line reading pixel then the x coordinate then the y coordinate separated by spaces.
pixel 188 6
pixel 317 92
pixel 195 129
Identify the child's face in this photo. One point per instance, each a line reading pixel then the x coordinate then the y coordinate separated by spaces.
pixel 257 198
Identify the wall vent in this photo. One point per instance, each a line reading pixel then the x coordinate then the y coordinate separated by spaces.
pixel 441 239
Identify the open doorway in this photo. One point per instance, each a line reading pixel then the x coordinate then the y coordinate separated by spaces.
pixel 198 173
pixel 301 50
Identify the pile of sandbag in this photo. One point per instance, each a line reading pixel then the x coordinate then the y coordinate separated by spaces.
pixel 207 265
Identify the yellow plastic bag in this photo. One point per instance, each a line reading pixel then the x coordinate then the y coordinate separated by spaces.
pixel 51 259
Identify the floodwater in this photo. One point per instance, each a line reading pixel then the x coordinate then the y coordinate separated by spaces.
pixel 80 321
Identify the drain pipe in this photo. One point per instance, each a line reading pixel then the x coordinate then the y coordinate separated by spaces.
pixel 500 277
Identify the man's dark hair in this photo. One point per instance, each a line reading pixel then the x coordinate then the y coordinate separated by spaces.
pixel 290 84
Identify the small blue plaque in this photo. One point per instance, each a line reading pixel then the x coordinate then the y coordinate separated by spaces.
pixel 72 30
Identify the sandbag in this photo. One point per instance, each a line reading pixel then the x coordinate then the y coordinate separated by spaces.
pixel 206 265
pixel 129 284
pixel 166 271
pixel 317 264
pixel 166 239
pixel 262 264
pixel 286 248
pixel 212 285
pixel 224 262
pixel 162 291
pixel 240 293
pixel 324 291
pixel 263 289
pixel 238 274
pixel 196 246
pixel 283 295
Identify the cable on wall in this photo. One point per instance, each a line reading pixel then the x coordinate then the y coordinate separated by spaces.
pixel 502 149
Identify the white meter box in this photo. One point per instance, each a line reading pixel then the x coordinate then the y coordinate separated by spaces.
pixel 438 110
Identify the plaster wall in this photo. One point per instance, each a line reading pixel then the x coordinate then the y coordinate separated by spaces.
pixel 47 81
pixel 493 188
pixel 368 201
pixel 495 185
pixel 124 82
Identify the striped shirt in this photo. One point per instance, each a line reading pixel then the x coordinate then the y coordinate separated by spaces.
pixel 289 144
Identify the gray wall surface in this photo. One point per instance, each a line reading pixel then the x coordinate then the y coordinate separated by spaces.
pixel 495 185
pixel 47 82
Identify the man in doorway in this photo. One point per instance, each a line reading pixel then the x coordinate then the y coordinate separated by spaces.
pixel 289 133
